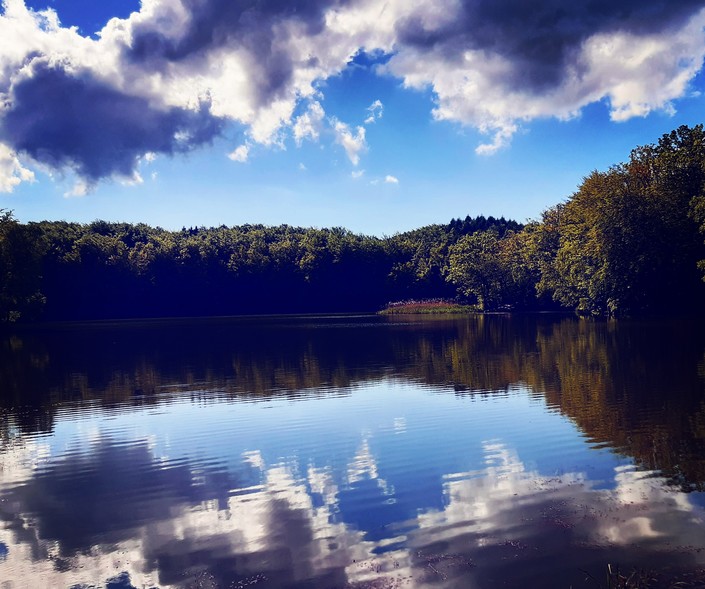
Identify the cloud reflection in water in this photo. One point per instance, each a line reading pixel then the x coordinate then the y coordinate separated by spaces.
pixel 119 509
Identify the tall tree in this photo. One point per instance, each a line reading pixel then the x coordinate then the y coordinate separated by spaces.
pixel 21 251
pixel 477 269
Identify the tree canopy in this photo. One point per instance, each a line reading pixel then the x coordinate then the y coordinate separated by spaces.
pixel 55 270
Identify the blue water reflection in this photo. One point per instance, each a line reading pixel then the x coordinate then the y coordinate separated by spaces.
pixel 391 480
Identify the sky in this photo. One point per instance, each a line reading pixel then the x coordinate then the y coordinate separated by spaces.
pixel 377 116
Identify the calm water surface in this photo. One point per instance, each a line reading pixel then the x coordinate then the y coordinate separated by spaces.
pixel 361 452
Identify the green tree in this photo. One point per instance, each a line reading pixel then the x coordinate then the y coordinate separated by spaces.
pixel 626 242
pixel 476 268
pixel 21 251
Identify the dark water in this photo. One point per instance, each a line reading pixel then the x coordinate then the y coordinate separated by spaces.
pixel 367 452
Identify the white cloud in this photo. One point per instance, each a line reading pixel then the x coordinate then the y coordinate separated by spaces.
pixel 134 180
pixel 240 154
pixel 80 188
pixel 376 110
pixel 352 143
pixel 357 174
pixel 388 179
pixel 640 74
pixel 636 73
pixel 309 124
pixel 501 138
pixel 12 173
pixel 258 77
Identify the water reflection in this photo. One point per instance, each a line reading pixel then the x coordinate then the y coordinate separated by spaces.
pixel 363 455
pixel 70 493
pixel 118 509
pixel 634 386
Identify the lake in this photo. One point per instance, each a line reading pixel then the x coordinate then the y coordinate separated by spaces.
pixel 353 451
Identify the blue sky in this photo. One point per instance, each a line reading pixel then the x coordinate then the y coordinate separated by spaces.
pixel 478 110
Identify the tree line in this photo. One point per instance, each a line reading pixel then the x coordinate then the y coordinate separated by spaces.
pixel 56 270
pixel 629 241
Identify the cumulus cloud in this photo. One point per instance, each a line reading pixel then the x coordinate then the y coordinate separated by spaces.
pixel 91 127
pixel 164 80
pixel 168 78
pixel 501 138
pixel 240 153
pixel 12 172
pixel 309 124
pixel 80 188
pixel 495 65
pixel 352 142
pixel 376 109
pixel 388 179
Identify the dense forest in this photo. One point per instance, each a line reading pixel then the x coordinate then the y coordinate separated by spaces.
pixel 629 241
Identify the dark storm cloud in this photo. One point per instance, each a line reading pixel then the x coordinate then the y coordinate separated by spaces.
pixel 541 38
pixel 71 120
pixel 249 24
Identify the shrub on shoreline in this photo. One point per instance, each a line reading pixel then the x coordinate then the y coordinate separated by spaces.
pixel 426 307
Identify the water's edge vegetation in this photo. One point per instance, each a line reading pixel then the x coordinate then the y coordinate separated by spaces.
pixel 427 307
pixel 629 241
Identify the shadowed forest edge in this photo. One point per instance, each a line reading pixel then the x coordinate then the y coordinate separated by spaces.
pixel 629 241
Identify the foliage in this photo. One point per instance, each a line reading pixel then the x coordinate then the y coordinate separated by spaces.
pixel 20 273
pixel 114 270
pixel 495 272
pixel 628 242
pixel 476 267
